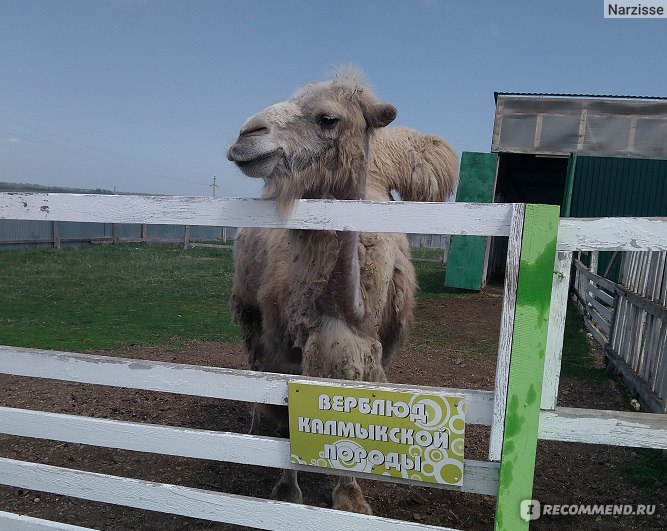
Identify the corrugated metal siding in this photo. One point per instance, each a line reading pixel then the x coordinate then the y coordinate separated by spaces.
pixel 84 231
pixel 428 241
pixel 609 186
pixel 128 232
pixel 176 232
pixel 18 234
pixel 27 231
pixel 615 187
pixel 208 233
pixel 24 230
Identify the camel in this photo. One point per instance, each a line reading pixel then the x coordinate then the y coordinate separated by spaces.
pixel 334 304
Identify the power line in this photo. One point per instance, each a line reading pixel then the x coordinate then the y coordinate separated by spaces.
pixel 100 155
pixel 104 152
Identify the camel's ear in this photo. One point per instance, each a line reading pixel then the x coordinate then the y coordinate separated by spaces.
pixel 380 114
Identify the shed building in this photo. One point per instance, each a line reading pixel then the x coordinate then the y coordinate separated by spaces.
pixel 591 155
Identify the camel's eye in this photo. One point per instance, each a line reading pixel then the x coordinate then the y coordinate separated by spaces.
pixel 327 122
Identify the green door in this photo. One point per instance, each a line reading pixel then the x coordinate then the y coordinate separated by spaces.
pixel 467 254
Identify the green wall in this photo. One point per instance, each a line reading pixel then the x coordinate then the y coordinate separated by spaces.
pixel 615 187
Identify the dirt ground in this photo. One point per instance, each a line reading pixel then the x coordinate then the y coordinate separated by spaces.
pixel 453 345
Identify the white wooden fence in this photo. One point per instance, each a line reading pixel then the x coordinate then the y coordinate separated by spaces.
pixel 629 320
pixel 483 407
pixel 595 297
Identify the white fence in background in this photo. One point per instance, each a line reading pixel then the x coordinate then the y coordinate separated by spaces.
pixel 629 320
pixel 595 297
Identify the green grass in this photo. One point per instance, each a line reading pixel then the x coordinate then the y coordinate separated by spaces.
pixel 426 252
pixel 578 361
pixel 109 297
pixel 115 296
pixel 431 281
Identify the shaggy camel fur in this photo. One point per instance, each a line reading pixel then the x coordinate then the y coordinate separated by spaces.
pixel 330 304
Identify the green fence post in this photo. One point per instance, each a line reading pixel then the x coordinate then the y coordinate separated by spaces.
pixel 536 270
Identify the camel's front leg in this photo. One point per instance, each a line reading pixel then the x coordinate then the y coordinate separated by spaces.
pixel 338 351
pixel 347 496
pixel 287 489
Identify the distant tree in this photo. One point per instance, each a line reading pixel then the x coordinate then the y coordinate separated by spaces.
pixel 26 187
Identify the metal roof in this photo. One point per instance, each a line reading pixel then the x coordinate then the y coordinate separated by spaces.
pixel 562 95
pixel 559 124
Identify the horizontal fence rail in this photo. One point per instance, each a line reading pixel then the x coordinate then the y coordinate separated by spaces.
pixel 191 502
pixel 615 428
pixel 480 477
pixel 197 380
pixel 612 234
pixel 21 522
pixel 476 219
pixel 313 214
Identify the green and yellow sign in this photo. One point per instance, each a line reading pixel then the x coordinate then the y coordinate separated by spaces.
pixel 414 436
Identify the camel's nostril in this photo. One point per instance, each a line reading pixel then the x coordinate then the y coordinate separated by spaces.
pixel 256 126
pixel 255 131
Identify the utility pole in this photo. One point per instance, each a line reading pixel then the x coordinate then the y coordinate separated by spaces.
pixel 214 186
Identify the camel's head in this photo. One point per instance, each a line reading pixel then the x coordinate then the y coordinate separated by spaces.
pixel 314 145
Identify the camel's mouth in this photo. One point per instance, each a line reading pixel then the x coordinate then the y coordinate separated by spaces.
pixel 254 165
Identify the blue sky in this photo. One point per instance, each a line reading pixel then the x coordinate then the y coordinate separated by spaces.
pixel 145 95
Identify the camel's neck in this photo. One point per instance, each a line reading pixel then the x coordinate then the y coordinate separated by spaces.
pixel 354 186
pixel 341 297
pixel 359 175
